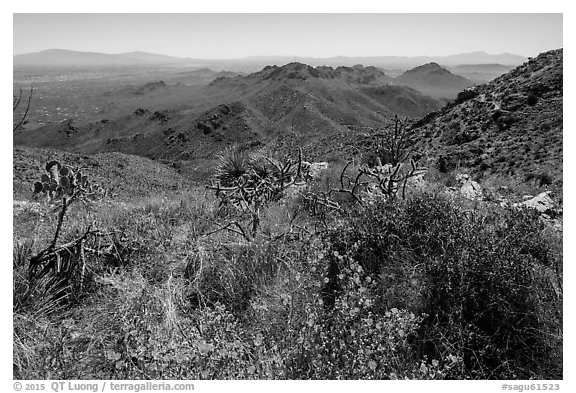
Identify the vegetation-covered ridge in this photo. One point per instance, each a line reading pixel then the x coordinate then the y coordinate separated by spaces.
pixel 512 126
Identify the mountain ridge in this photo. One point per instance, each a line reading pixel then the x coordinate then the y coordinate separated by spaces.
pixel 279 106
pixel 512 125
pixel 429 79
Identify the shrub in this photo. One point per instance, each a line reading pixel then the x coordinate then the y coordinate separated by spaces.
pixel 542 178
pixel 545 127
pixel 445 164
pixel 447 179
pixel 352 336
pixel 231 275
pixel 466 95
pixel 459 137
pixel 428 287
pixel 471 274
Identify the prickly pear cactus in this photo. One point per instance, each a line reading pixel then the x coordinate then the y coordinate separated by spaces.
pixel 61 181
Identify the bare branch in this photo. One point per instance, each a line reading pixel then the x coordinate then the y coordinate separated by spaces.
pixel 16 100
pixel 229 227
pixel 15 105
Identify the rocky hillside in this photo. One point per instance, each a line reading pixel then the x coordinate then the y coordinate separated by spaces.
pixel 322 109
pixel 512 125
pixel 125 176
pixel 357 74
pixel 147 88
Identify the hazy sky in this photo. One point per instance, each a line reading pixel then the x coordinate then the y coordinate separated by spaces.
pixel 218 36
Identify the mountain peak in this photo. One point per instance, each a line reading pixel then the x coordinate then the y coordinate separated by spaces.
pixel 431 67
pixel 138 52
pixel 434 80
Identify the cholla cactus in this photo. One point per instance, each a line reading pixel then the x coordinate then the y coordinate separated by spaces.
pixel 366 186
pixel 250 182
pixel 245 180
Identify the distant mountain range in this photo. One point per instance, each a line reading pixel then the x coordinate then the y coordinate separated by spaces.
pixel 480 73
pixel 69 58
pixel 402 62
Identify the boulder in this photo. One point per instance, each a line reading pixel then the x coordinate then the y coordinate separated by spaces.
pixel 471 190
pixel 462 178
pixel 543 203
pixel 317 167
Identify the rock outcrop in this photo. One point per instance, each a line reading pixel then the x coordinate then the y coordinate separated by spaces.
pixel 543 203
pixel 470 189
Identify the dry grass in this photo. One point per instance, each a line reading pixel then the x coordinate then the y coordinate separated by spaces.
pixel 183 305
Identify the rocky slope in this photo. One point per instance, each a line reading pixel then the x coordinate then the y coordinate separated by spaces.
pixel 322 109
pixel 512 125
pixel 357 74
pixel 126 176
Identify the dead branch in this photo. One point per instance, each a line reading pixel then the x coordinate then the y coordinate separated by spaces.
pixel 16 103
pixel 397 144
pixel 387 179
pixel 49 257
pixel 228 227
pixel 16 100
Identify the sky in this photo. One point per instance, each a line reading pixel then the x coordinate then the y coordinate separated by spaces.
pixel 225 36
